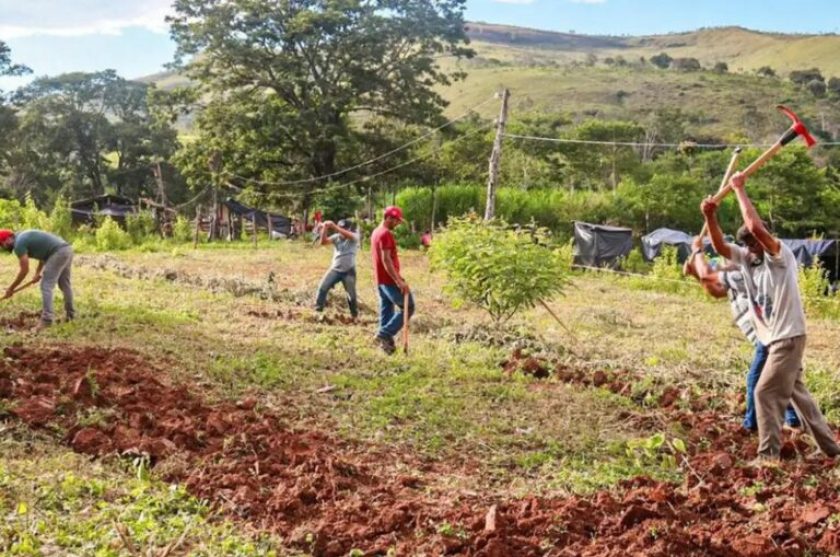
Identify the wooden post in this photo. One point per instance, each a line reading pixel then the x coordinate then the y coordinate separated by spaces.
pixel 269 226
pixel 254 230
pixel 434 209
pixel 495 159
pixel 197 225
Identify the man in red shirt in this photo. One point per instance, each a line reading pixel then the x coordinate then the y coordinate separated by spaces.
pixel 390 284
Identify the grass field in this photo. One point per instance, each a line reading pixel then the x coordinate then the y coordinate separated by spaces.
pixel 293 433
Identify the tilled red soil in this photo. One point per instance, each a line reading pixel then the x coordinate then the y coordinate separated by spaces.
pixel 329 496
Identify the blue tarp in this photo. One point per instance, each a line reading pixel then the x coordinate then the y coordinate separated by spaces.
pixel 807 250
pixel 652 243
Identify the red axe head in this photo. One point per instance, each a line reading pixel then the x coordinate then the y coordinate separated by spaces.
pixel 797 129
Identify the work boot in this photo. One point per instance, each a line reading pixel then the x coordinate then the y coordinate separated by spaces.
pixel 386 344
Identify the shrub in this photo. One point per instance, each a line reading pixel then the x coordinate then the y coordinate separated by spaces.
pixel 406 239
pixel 10 214
pixel 32 216
pixel 110 237
pixel 497 268
pixel 818 299
pixel 183 229
pixel 661 60
pixel 635 262
pixel 140 226
pixel 61 219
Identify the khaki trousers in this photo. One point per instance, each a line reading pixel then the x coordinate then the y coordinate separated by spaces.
pixel 781 383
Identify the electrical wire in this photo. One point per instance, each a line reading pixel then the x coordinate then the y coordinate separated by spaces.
pixel 368 162
pixel 363 179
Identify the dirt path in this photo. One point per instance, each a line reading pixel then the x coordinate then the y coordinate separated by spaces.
pixel 328 496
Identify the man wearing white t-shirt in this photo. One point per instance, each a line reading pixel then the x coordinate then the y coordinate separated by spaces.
pixel 770 276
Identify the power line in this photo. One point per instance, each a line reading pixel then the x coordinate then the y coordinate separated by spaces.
pixel 644 144
pixel 381 173
pixel 366 163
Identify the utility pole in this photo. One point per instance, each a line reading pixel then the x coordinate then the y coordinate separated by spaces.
pixel 495 159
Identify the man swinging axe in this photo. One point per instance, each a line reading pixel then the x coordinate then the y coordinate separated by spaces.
pixel 54 256
pixel 769 269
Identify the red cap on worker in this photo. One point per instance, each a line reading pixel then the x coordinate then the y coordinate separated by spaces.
pixel 394 212
pixel 5 234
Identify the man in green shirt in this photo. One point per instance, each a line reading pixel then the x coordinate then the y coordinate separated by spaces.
pixel 55 257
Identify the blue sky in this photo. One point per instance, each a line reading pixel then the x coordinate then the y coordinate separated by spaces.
pixel 55 36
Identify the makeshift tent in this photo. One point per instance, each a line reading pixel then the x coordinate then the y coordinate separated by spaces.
pixel 807 252
pixel 279 223
pixel 117 207
pixel 601 246
pixel 653 243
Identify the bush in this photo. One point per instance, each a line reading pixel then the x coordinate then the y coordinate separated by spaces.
pixel 140 226
pixel 61 219
pixel 635 262
pixel 818 299
pixel 406 239
pixel 10 214
pixel 665 273
pixel 32 216
pixel 110 237
pixel 183 229
pixel 499 269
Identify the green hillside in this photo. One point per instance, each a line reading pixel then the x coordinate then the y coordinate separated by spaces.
pixel 577 75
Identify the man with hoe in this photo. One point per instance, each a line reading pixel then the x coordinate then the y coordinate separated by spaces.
pixel 769 269
pixel 345 243
pixel 392 288
pixel 55 257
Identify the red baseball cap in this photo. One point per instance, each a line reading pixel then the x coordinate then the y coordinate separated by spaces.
pixel 5 234
pixel 394 212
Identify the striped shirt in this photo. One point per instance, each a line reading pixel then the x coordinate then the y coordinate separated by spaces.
pixel 739 302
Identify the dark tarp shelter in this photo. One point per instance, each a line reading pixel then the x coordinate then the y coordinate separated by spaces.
pixel 808 251
pixel 653 243
pixel 279 223
pixel 598 245
pixel 117 207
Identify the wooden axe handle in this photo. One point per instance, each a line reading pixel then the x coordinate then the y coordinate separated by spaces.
pixel 730 170
pixel 407 319
pixel 752 168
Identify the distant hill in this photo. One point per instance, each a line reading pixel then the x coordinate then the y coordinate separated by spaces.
pixel 585 76
pixel 742 49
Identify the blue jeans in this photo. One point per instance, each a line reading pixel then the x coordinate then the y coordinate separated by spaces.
pixel 390 323
pixel 348 279
pixel 750 422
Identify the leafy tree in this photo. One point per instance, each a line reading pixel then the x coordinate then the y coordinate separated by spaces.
pixel 599 165
pixel 501 269
pixel 284 79
pixel 8 119
pixel 81 132
pixel 661 60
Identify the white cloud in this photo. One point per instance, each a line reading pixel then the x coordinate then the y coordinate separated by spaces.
pixel 80 17
pixel 515 1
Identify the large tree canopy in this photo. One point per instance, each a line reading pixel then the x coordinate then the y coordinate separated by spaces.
pixel 80 132
pixel 302 68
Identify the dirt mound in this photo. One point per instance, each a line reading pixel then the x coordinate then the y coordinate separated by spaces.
pixel 327 496
pixel 308 317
